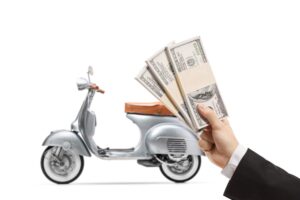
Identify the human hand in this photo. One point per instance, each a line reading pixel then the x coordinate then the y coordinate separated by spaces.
pixel 217 140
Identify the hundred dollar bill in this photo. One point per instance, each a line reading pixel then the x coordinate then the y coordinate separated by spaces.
pixel 195 79
pixel 160 67
pixel 146 78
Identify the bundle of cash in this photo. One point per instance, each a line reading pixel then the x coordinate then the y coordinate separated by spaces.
pixel 180 76
pixel 161 69
pixel 146 78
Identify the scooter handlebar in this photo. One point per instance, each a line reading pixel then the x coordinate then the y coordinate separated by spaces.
pixel 95 87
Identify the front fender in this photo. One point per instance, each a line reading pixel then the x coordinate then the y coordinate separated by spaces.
pixel 172 138
pixel 68 140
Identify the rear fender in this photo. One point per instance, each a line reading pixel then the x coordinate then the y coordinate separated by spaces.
pixel 68 140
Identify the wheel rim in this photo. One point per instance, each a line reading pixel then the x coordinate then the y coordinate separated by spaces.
pixel 183 170
pixel 63 171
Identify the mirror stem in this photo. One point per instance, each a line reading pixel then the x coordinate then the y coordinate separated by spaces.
pixel 89 76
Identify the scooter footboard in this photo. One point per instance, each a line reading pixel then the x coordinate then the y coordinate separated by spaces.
pixel 172 139
pixel 68 140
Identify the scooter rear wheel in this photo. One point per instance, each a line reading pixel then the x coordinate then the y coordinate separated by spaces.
pixel 183 170
pixel 63 171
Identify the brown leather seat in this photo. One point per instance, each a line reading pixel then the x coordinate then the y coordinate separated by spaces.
pixel 155 108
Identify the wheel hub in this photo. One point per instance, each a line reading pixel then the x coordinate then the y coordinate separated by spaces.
pixel 182 166
pixel 63 166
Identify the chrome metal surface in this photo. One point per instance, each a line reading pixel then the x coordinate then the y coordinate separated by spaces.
pixel 172 138
pixel 82 83
pixel 61 138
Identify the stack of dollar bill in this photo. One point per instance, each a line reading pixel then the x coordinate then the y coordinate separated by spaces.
pixel 180 77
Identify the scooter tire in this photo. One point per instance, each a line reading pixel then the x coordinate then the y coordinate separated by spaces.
pixel 196 170
pixel 55 181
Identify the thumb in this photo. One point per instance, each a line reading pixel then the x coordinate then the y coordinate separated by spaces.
pixel 209 115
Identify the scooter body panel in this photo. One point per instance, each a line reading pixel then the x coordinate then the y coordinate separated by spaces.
pixel 164 135
pixel 146 122
pixel 68 140
pixel 172 138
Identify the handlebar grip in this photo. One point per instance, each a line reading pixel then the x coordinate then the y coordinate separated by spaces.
pixel 100 90
pixel 96 88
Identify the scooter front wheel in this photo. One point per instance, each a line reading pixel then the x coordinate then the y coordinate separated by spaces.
pixel 61 169
pixel 183 170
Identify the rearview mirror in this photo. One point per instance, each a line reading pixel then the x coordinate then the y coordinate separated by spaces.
pixel 90 70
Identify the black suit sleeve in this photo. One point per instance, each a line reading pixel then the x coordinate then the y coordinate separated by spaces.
pixel 256 178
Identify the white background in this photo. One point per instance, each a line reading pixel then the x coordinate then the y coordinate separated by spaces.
pixel 252 46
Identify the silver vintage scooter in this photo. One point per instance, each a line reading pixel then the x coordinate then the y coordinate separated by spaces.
pixel 165 142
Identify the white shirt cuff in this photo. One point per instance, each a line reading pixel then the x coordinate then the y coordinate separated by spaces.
pixel 234 161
